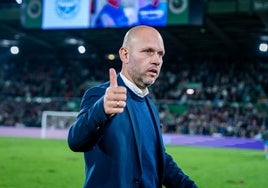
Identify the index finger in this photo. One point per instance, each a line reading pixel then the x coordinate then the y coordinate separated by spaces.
pixel 113 78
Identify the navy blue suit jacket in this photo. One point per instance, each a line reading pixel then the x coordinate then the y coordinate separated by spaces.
pixel 111 145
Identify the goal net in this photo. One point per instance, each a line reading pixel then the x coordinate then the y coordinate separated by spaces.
pixel 55 124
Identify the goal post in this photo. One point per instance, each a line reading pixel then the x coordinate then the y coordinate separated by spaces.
pixel 56 120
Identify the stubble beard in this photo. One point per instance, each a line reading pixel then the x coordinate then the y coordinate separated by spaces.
pixel 145 82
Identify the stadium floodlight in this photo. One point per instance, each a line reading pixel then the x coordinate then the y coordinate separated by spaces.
pixel 81 49
pixel 19 1
pixel 14 50
pixel 263 47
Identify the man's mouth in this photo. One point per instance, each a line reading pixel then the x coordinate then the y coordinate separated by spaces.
pixel 153 72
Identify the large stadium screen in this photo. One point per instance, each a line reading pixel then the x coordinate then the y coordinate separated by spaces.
pixel 77 14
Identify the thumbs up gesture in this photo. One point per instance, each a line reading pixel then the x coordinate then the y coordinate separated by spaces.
pixel 115 96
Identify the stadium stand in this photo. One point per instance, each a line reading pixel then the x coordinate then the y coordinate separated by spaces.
pixel 229 99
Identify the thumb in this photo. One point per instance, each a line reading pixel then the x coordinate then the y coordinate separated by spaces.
pixel 113 78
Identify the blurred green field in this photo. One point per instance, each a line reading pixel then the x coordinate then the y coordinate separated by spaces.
pixel 48 163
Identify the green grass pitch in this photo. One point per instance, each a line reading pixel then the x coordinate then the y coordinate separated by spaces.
pixel 48 163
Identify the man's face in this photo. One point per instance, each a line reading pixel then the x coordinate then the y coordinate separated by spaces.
pixel 145 59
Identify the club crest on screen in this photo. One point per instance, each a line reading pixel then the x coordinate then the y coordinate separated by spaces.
pixel 34 8
pixel 67 8
pixel 178 6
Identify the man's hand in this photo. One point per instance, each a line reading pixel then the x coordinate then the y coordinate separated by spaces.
pixel 115 96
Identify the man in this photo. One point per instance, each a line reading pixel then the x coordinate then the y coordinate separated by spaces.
pixel 265 140
pixel 118 127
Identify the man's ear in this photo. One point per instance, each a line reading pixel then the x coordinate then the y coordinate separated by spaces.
pixel 123 53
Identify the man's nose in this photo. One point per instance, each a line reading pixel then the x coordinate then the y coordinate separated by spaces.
pixel 157 59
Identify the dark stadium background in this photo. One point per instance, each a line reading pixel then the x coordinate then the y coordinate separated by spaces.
pixel 49 73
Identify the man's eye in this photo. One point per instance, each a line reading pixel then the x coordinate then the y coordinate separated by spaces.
pixel 149 52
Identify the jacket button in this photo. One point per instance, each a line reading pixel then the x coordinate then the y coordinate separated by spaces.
pixel 137 180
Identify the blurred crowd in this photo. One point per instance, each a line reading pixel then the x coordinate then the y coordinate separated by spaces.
pixel 219 96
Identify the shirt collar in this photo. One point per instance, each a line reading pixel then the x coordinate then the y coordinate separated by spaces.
pixel 133 87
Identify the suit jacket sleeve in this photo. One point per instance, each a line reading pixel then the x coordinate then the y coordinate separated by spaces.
pixel 90 123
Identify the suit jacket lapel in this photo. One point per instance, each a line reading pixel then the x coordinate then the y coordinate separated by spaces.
pixel 135 127
pixel 160 143
pixel 133 121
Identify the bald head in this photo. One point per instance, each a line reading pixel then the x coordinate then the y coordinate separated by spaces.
pixel 138 32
